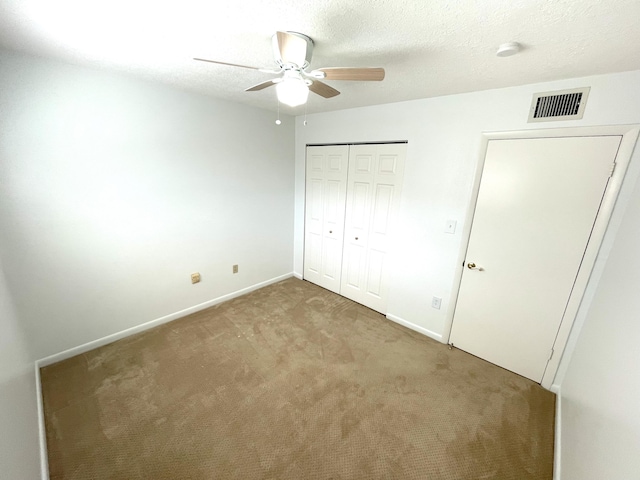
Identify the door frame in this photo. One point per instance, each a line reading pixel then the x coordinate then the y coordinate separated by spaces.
pixel 629 134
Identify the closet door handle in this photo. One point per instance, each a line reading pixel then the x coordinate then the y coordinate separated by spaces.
pixel 356 238
pixel 330 231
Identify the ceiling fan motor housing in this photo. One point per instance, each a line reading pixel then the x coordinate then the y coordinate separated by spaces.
pixel 294 54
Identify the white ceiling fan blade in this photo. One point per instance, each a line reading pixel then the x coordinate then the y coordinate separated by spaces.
pixel 323 89
pixel 292 48
pixel 264 70
pixel 368 74
pixel 263 85
pixel 225 63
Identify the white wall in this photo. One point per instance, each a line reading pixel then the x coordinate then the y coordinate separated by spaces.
pixel 601 389
pixel 115 190
pixel 444 137
pixel 18 411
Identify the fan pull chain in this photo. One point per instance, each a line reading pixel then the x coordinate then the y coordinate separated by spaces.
pixel 305 115
pixel 278 122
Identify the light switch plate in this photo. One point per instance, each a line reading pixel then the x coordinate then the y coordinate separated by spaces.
pixel 436 303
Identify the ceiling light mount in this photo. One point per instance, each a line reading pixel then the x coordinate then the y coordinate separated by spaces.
pixel 508 49
pixel 292 47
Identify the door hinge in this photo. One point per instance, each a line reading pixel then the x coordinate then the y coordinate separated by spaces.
pixel 613 167
pixel 550 354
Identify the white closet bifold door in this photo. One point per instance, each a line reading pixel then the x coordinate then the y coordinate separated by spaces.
pixel 373 195
pixel 326 187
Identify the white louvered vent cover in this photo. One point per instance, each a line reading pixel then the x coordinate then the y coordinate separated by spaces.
pixel 560 105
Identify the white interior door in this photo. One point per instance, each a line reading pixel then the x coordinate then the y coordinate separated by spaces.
pixel 537 203
pixel 373 196
pixel 326 186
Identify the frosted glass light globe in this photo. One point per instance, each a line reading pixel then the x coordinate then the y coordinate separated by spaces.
pixel 292 91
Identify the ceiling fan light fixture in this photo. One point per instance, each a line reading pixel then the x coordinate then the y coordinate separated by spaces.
pixel 292 91
pixel 292 53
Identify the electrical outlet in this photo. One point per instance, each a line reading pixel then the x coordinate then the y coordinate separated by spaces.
pixel 436 302
pixel 451 226
pixel 235 269
pixel 195 277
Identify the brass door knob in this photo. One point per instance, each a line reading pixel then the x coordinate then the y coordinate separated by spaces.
pixel 471 266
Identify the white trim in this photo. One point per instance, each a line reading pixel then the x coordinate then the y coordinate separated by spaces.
pixel 42 433
pixel 558 432
pixel 298 275
pixel 592 253
pixel 466 234
pixel 72 352
pixel 413 326
pixel 629 134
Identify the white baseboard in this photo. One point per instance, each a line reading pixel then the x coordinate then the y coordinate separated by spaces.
pixel 417 328
pixel 558 432
pixel 72 352
pixel 298 275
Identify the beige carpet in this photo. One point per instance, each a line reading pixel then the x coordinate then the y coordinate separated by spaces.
pixel 292 382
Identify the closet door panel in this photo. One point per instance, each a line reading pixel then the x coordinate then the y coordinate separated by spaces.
pixel 331 259
pixel 324 214
pixel 334 211
pixel 359 203
pixel 375 269
pixel 388 165
pixel 369 221
pixel 313 257
pixel 357 221
pixel 378 244
pixel 336 161
pixel 363 162
pixel 354 256
pixel 382 209
pixel 313 236
pixel 387 190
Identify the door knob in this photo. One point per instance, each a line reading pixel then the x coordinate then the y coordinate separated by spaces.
pixel 473 266
pixel 330 231
pixel 356 238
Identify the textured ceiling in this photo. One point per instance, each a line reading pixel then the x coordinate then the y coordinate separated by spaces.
pixel 428 48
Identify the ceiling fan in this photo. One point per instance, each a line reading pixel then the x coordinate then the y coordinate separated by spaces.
pixel 292 53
